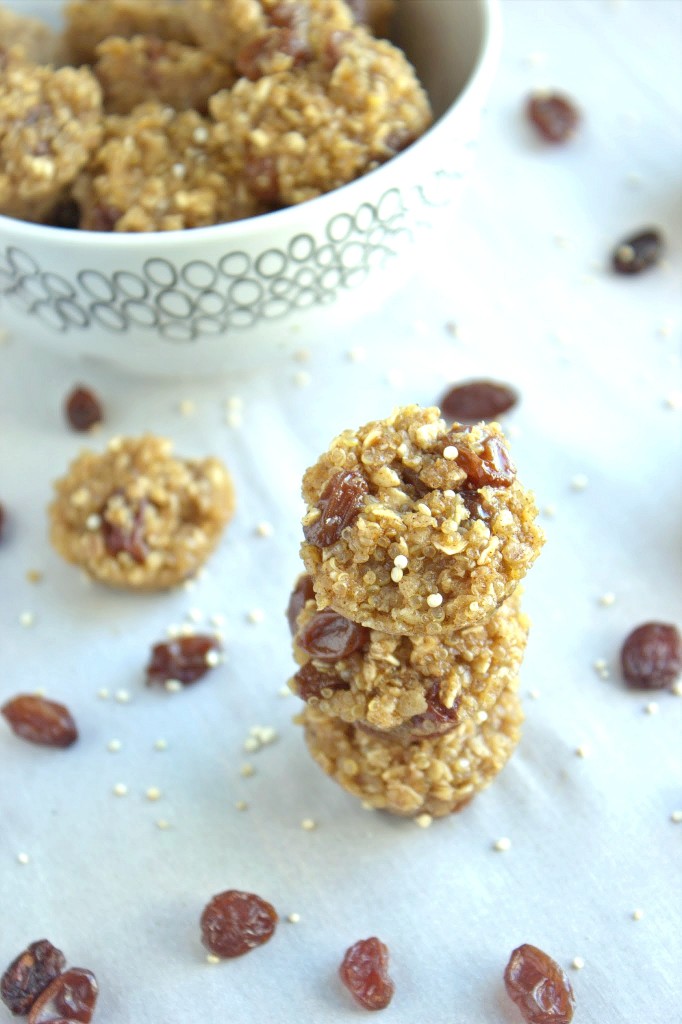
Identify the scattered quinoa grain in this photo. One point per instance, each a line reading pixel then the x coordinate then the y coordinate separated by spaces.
pixel 308 824
pixel 293 918
pixel 241 805
pixel 173 685
pixel 400 561
pixel 34 576
pixel 637 915
pixel 651 708
pixel 120 789
pixel 23 858
pixel 122 697
pixel 114 746
pixel 582 751
pixel 579 482
pixel 577 963
pixel 26 619
pixel 186 407
pixel 160 744
pixel 103 694
pixel 423 820
pixel 434 600
pixel 153 793
pixel 676 817
pixel 450 452
pixel 162 824
pixel 256 615
pixel 396 574
pixel 247 770
pixel 502 844
pixel 212 959
pixel 607 599
pixel 264 529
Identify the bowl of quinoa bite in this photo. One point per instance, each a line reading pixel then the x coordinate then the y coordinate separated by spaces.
pixel 275 178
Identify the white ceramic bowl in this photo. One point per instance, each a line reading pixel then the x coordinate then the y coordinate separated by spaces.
pixel 234 296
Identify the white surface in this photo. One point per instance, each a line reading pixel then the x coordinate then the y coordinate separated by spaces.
pixel 595 358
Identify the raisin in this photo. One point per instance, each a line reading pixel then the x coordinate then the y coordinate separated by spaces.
pixel 302 592
pixel 255 59
pixel 28 975
pixel 539 987
pixel 234 922
pixel 651 656
pixel 66 214
pixel 288 14
pixel 310 682
pixel 339 505
pixel 83 409
pixel 477 400
pixel 262 179
pixel 71 996
pixel 334 48
pixel 128 539
pixel 491 468
pixel 105 217
pixel 364 972
pixel 474 506
pixel 556 117
pixel 638 253
pixel 330 637
pixel 186 659
pixel 437 717
pixel 39 720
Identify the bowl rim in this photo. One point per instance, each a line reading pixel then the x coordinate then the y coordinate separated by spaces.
pixel 478 81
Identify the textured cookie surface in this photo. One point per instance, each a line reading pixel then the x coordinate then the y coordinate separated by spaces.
pixel 417 528
pixel 136 516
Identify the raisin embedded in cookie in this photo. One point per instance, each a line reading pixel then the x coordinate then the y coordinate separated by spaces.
pixel 406 687
pixel 417 528
pixel 436 776
pixel 136 516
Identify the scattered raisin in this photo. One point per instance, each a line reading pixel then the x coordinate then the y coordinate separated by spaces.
pixel 39 720
pixel 651 656
pixel 477 400
pixel 83 409
pixel 638 252
pixel 128 539
pixel 364 972
pixel 330 637
pixel 186 659
pixel 539 987
pixel 310 682
pixel 66 214
pixel 235 922
pixel 491 468
pixel 28 975
pixel 70 997
pixel 302 592
pixel 555 116
pixel 339 505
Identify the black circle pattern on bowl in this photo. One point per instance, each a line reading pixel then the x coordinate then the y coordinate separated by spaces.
pixel 183 303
